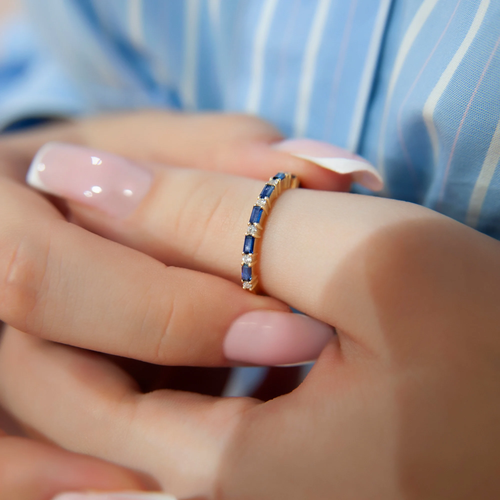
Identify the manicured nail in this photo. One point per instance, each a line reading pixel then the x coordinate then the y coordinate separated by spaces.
pixel 276 338
pixel 335 159
pixel 114 496
pixel 94 178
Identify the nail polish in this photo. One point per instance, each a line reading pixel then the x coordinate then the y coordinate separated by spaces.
pixel 93 178
pixel 276 338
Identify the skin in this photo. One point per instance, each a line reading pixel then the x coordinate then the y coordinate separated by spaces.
pixel 42 470
pixel 403 402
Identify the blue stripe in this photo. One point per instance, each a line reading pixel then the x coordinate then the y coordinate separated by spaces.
pixel 103 67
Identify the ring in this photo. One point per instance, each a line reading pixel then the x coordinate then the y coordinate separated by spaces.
pixel 260 211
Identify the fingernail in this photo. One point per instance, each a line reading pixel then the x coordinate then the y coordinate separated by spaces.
pixel 94 178
pixel 275 338
pixel 335 159
pixel 114 496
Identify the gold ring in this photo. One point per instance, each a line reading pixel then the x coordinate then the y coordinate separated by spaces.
pixel 260 211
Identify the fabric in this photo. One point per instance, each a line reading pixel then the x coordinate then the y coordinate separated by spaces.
pixel 32 85
pixel 412 85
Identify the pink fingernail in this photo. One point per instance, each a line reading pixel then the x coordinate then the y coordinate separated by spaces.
pixel 113 496
pixel 335 159
pixel 94 178
pixel 276 338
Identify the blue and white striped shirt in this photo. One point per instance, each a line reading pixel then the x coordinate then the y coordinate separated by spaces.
pixel 412 85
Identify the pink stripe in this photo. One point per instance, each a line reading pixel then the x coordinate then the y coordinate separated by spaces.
pixel 400 112
pixel 445 178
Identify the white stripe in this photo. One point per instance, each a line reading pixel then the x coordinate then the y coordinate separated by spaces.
pixel 444 80
pixel 214 13
pixel 411 34
pixel 191 32
pixel 264 26
pixel 367 77
pixel 309 67
pixel 483 181
pixel 135 22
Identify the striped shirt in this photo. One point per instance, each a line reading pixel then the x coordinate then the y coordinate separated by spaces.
pixel 411 85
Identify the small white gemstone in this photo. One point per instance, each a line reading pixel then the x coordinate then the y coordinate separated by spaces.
pixel 261 202
pixel 247 259
pixel 252 230
pixel 247 285
pixel 273 182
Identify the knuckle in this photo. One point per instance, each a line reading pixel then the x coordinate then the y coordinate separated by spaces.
pixel 209 210
pixel 24 258
pixel 175 340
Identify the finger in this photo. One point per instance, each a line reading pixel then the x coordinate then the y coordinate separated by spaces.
pixel 63 283
pixel 236 144
pixel 197 220
pixel 37 471
pixel 178 438
pixel 329 255
pixel 230 143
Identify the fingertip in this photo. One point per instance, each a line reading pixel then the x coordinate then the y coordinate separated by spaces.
pixel 262 160
pixel 341 162
pixel 275 338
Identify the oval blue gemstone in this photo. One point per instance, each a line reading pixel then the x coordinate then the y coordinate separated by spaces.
pixel 266 192
pixel 279 175
pixel 256 215
pixel 248 246
pixel 246 273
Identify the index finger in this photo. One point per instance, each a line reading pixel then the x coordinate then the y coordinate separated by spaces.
pixel 342 258
pixel 63 283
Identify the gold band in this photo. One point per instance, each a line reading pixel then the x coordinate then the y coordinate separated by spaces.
pixel 260 211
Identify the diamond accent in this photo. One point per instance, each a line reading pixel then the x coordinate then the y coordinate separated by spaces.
pixel 247 259
pixel 273 182
pixel 247 285
pixel 252 230
pixel 261 202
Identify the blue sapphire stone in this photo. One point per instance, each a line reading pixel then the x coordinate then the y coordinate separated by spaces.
pixel 280 175
pixel 246 273
pixel 248 246
pixel 256 215
pixel 266 192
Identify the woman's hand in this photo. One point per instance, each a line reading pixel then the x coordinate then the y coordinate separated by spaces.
pixel 54 273
pixel 39 248
pixel 402 403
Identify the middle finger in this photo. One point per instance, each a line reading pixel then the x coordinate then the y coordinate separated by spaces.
pixel 63 283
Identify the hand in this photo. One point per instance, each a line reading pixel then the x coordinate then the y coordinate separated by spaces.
pixel 402 403
pixel 38 230
pixel 26 218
